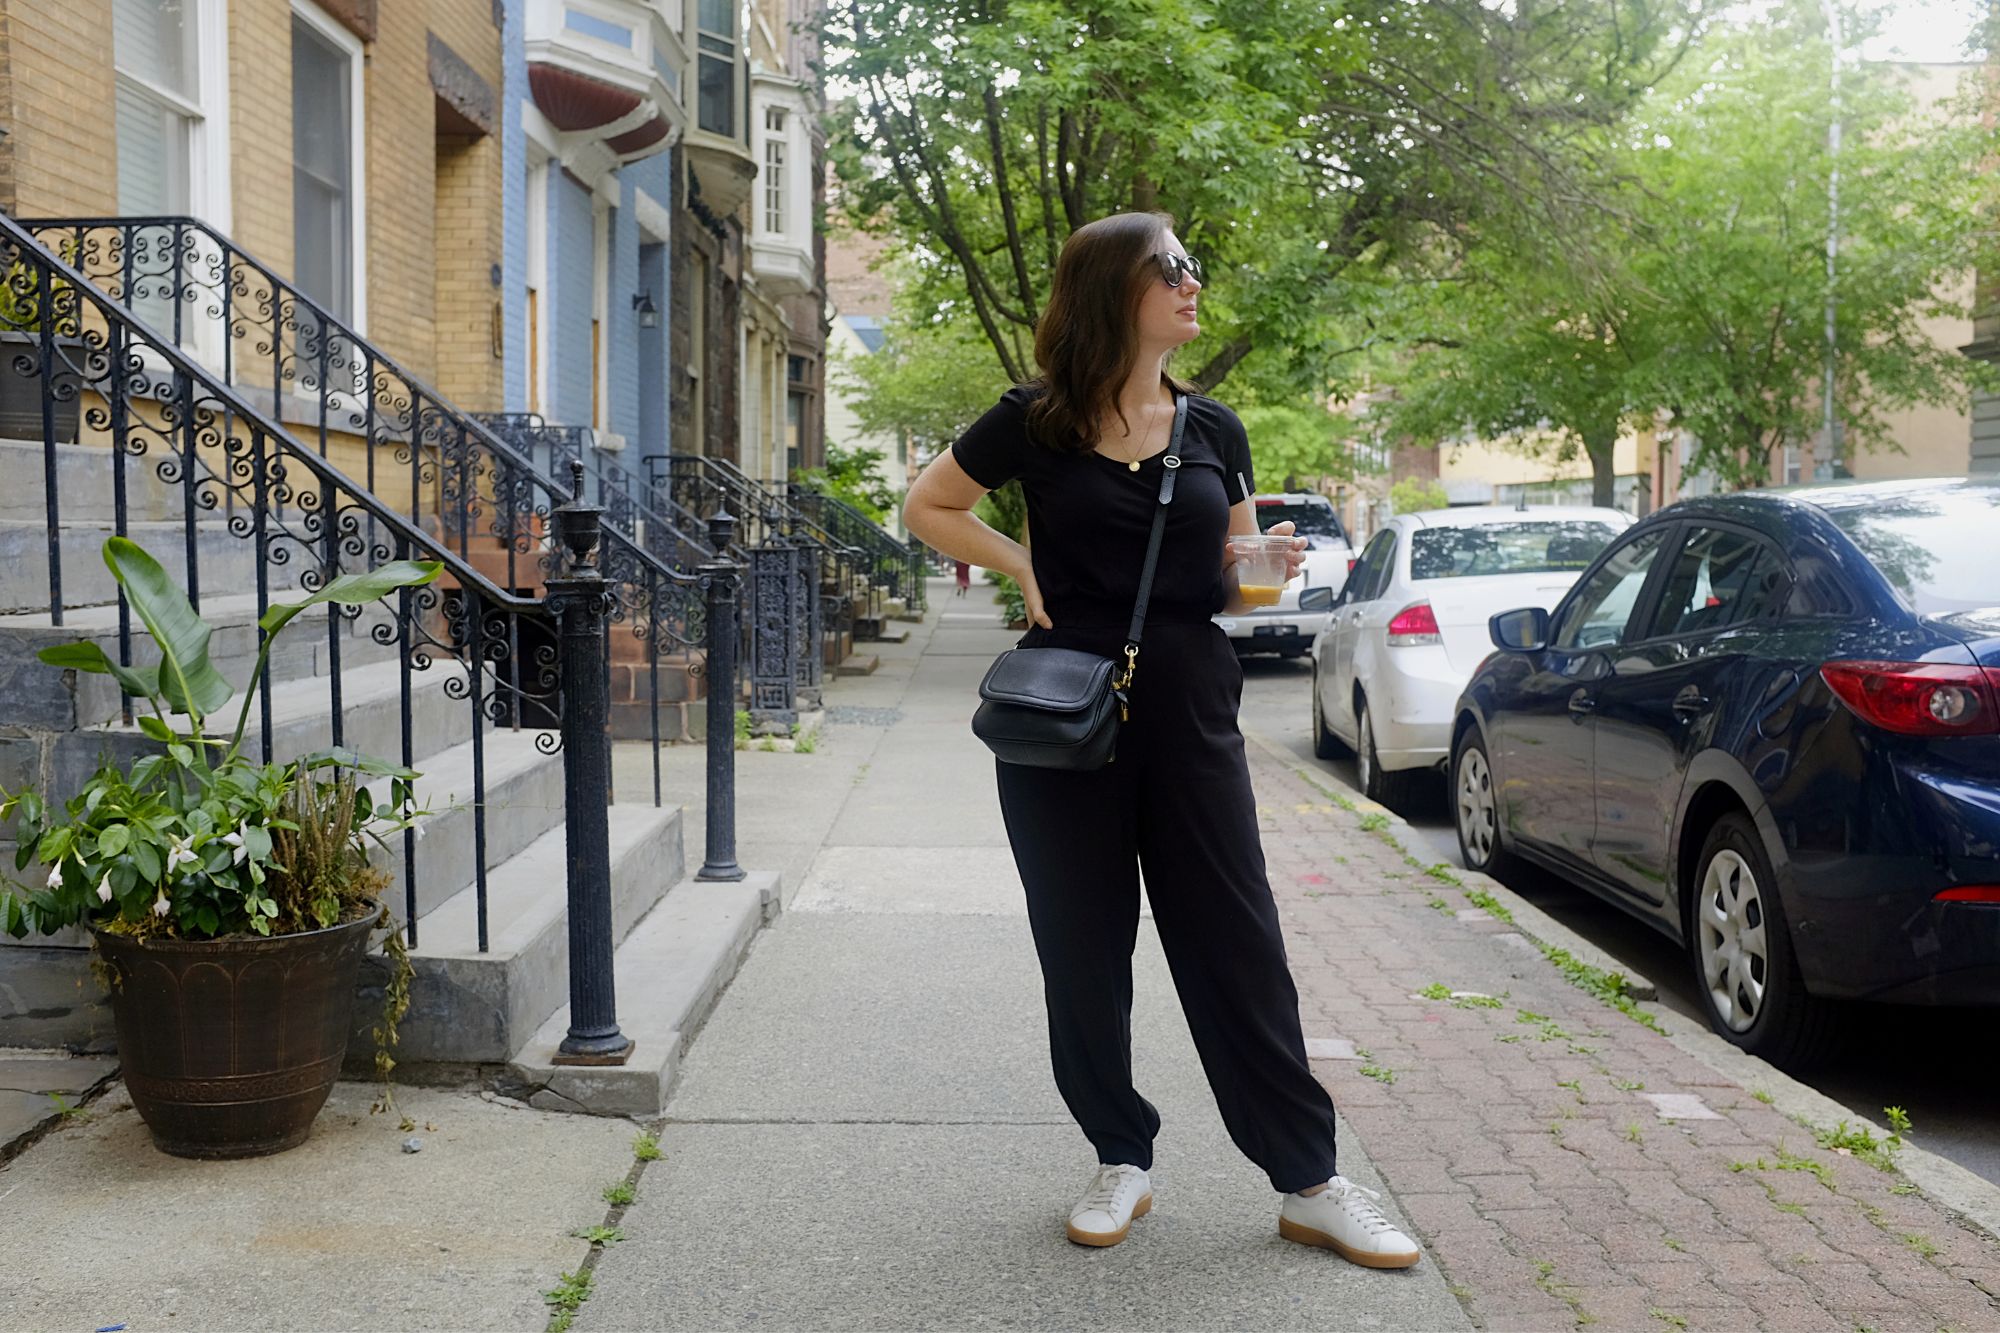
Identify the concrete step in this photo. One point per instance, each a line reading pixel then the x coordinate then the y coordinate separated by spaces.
pixel 222 560
pixel 857 664
pixel 524 800
pixel 85 485
pixel 468 1007
pixel 885 631
pixel 671 971
pixel 33 694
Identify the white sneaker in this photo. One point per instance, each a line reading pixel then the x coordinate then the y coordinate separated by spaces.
pixel 1104 1214
pixel 1343 1218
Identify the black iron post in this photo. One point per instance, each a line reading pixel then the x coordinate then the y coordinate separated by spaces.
pixel 773 620
pixel 579 601
pixel 719 579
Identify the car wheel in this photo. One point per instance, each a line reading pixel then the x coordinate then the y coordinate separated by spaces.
pixel 1742 951
pixel 1476 803
pixel 1377 783
pixel 1326 745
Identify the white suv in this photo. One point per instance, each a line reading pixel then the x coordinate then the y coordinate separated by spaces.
pixel 1284 628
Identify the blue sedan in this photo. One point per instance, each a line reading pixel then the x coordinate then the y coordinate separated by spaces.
pixel 1769 725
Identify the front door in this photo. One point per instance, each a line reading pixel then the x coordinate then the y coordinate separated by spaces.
pixel 1545 737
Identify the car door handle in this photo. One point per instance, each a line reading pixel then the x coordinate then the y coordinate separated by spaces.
pixel 1690 702
pixel 1582 704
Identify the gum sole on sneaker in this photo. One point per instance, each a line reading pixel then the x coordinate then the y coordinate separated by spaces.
pixel 1103 1238
pixel 1305 1235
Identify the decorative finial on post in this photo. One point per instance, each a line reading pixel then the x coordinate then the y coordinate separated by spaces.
pixel 579 526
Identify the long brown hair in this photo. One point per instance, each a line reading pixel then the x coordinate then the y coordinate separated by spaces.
pixel 1086 341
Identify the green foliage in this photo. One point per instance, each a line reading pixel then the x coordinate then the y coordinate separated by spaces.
pixel 1413 495
pixel 931 378
pixel 620 1193
pixel 854 476
pixel 570 1292
pixel 196 841
pixel 600 1236
pixel 1013 603
pixel 646 1147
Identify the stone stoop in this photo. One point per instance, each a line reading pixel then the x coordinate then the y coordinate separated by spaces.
pixel 858 664
pixel 671 972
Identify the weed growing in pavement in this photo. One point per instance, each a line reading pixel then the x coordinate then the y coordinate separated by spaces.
pixel 1791 1161
pixel 1380 1073
pixel 1374 822
pixel 1443 874
pixel 1921 1243
pixel 1859 1141
pixel 1610 987
pixel 1628 1085
pixel 569 1293
pixel 67 1111
pixel 620 1193
pixel 599 1236
pixel 1796 1210
pixel 1905 1188
pixel 1677 1246
pixel 1545 1278
pixel 1761 1095
pixel 1324 790
pixel 1804 1259
pixel 1437 990
pixel 806 743
pixel 646 1147
pixel 1634 1134
pixel 1575 1085
pixel 1438 904
pixel 1509 1037
pixel 742 728
pixel 1666 1317
pixel 1477 1002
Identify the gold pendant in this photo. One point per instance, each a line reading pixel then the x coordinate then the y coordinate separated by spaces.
pixel 1133 465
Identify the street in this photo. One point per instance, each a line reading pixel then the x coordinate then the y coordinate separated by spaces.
pixel 1949 1094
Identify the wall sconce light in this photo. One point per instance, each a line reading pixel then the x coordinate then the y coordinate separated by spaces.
pixel 649 314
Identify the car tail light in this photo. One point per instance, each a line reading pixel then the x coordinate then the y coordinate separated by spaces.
pixel 1969 893
pixel 1415 624
pixel 1352 561
pixel 1919 698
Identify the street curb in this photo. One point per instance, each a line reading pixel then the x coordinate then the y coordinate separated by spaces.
pixel 1943 1181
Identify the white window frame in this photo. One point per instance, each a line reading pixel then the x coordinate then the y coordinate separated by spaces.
pixel 777 175
pixel 739 72
pixel 351 46
pixel 536 335
pixel 207 185
pixel 600 311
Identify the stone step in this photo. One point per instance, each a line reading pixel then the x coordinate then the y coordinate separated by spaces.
pixel 33 694
pixel 468 1007
pixel 671 971
pixel 857 664
pixel 85 485
pixel 222 560
pixel 883 631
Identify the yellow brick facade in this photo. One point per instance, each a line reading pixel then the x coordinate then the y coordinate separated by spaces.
pixel 431 202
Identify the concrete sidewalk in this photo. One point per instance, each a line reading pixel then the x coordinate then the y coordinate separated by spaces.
pixel 867 1134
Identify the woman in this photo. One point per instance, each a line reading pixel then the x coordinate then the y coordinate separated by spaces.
pixel 1085 441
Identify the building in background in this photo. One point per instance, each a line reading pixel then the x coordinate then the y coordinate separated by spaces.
pixel 859 302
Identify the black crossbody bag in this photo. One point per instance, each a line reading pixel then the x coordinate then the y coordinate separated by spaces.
pixel 1061 707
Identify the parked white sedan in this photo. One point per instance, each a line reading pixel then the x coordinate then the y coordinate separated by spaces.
pixel 1409 628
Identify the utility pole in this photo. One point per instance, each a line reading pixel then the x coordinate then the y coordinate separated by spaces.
pixel 1830 435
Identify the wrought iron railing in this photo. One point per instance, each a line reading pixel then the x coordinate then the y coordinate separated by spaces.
pixel 894 566
pixel 140 336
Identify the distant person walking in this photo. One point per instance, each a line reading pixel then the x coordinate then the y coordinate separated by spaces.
pixel 963 573
pixel 1086 441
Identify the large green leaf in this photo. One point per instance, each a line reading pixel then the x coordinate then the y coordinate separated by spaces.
pixel 141 682
pixel 357 589
pixel 189 682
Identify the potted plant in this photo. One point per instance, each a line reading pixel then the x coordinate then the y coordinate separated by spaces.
pixel 229 901
pixel 22 381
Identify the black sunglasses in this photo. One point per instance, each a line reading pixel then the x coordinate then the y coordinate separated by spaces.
pixel 1175 267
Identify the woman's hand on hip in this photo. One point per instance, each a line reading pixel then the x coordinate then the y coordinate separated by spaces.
pixel 1031 596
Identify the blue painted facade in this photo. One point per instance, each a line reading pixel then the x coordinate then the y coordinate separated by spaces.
pixel 636 359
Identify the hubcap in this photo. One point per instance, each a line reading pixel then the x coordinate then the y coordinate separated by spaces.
pixel 1478 814
pixel 1735 961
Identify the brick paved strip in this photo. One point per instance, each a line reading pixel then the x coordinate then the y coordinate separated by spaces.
pixel 1519 1141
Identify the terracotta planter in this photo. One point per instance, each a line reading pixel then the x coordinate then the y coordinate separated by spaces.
pixel 230 1046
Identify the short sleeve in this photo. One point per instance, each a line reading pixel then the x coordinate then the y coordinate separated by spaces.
pixel 1239 477
pixel 994 449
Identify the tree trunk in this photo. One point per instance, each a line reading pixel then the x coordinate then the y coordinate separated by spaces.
pixel 1601 444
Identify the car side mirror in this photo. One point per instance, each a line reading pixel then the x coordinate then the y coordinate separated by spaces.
pixel 1523 631
pixel 1314 600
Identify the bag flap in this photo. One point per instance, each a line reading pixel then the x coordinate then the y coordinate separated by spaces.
pixel 1062 680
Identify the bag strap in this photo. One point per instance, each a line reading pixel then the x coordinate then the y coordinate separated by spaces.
pixel 1170 466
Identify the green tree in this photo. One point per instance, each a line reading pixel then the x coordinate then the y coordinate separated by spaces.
pixel 1413 495
pixel 1299 143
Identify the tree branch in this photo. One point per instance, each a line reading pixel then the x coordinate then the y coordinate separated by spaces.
pixel 1008 220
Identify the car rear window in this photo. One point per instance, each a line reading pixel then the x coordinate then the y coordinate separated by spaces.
pixel 1529 547
pixel 1938 549
pixel 1314 520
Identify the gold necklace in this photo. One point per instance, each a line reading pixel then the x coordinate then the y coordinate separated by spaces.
pixel 1132 464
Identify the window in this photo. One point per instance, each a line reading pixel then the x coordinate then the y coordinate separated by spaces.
pixel 774 170
pixel 158 104
pixel 1719 578
pixel 1313 520
pixel 1371 574
pixel 1598 615
pixel 795 419
pixel 1507 548
pixel 1937 549
pixel 715 75
pixel 324 114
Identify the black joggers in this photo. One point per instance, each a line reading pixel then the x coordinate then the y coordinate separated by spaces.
pixel 1177 804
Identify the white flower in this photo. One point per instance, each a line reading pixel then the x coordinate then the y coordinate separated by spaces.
pixel 55 875
pixel 104 888
pixel 160 904
pixel 178 855
pixel 236 840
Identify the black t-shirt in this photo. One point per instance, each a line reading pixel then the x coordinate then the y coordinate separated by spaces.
pixel 1089 515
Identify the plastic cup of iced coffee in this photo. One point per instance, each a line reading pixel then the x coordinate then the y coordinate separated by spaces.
pixel 1260 568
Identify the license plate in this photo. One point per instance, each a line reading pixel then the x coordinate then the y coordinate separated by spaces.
pixel 1275 629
